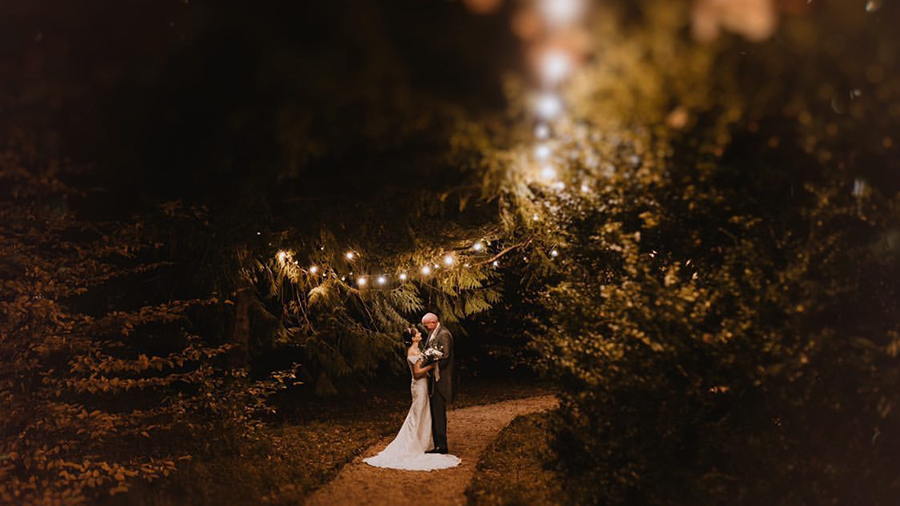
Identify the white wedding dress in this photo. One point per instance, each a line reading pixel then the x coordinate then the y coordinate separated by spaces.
pixel 407 450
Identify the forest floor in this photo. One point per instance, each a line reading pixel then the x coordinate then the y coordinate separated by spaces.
pixel 521 468
pixel 470 431
pixel 313 443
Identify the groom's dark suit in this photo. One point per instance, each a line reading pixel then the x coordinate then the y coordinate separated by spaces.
pixel 441 390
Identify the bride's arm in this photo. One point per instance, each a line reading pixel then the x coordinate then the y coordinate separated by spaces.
pixel 420 372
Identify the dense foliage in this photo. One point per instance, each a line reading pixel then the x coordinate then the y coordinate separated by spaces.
pixel 726 329
pixel 101 385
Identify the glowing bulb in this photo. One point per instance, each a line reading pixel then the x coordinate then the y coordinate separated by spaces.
pixel 426 270
pixel 548 172
pixel 281 256
pixel 361 281
pixel 313 269
pixel 554 253
pixel 585 188
pixel 448 260
pixel 559 185
pixel 543 152
pixel 496 263
pixel 436 266
pixel 259 233
pixel 561 12
pixel 478 246
pixel 535 217
pixel 555 66
pixel 548 106
pixel 382 280
pixel 349 255
pixel 402 276
pixel 542 131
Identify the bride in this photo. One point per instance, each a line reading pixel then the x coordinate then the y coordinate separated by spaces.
pixel 407 450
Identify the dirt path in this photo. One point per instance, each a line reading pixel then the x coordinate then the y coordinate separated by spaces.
pixel 469 431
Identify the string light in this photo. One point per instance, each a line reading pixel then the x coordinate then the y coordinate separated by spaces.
pixel 496 263
pixel 555 66
pixel 361 281
pixel 548 172
pixel 585 188
pixel 542 131
pixel 448 260
pixel 382 280
pixel 543 152
pixel 478 246
pixel 402 276
pixel 561 12
pixel 313 269
pixel 349 255
pixel 554 253
pixel 548 106
pixel 282 255
pixel 426 270
pixel 535 217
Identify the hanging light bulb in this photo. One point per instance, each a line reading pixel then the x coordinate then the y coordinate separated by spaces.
pixel 561 12
pixel 313 269
pixel 548 172
pixel 349 255
pixel 382 280
pixel 426 270
pixel 361 281
pixel 448 260
pixel 555 65
pixel 554 253
pixel 403 276
pixel 478 246
pixel 548 106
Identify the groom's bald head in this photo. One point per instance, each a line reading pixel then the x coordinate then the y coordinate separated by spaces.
pixel 430 321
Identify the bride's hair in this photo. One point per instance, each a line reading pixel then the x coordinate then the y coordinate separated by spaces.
pixel 407 336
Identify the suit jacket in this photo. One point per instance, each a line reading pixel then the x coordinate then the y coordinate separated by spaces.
pixel 443 339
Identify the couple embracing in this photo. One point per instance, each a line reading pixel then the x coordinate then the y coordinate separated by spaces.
pixel 421 444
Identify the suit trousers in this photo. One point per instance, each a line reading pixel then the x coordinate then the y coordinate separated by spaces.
pixel 439 420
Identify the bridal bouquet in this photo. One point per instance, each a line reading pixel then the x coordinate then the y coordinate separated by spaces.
pixel 431 355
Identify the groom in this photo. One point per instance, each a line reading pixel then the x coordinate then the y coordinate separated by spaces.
pixel 440 385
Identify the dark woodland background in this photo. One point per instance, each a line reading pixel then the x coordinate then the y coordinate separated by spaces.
pixel 721 324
